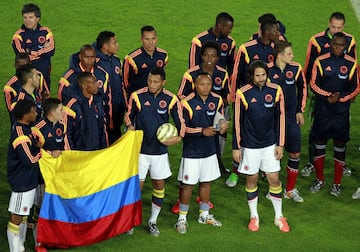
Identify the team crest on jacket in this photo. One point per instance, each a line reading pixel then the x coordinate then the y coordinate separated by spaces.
pixel 224 46
pixel 217 81
pixel 289 78
pixel 117 69
pixel 100 83
pixel 211 110
pixel 270 58
pixel 59 132
pixel 42 39
pixel 159 63
pixel 289 74
pixel 268 101
pixel 162 107
pixel 343 72
pixel 211 106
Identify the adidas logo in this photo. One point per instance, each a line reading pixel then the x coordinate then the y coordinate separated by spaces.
pixel 276 76
pixel 49 135
pixel 256 57
pixel 28 41
pixel 147 103
pixel 253 100
pixel 327 45
pixel 198 107
pixel 328 68
pixel 144 65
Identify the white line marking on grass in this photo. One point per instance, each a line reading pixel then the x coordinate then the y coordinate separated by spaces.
pixel 356 6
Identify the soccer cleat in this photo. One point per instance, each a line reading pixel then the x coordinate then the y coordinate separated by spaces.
pixel 153 229
pixel 130 231
pixel 253 224
pixel 232 180
pixel 293 194
pixel 199 201
pixel 308 169
pixel 268 196
pixel 336 190
pixel 346 171
pixel 318 184
pixel 181 226
pixel 210 220
pixel 282 224
pixel 356 194
pixel 176 207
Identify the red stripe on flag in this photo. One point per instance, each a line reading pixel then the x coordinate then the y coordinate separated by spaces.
pixel 56 234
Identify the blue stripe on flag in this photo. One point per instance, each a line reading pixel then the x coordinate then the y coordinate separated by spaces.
pixel 91 207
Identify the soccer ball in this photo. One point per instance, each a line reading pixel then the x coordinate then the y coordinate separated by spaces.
pixel 165 131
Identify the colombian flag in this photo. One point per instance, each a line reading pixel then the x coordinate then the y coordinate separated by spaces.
pixel 90 196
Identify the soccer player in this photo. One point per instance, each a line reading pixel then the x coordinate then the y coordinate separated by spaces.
pixel 335 83
pixel 290 76
pixel 30 81
pixel 36 40
pixel 210 53
pixel 319 44
pixel 13 86
pixel 139 63
pixel 219 33
pixel 270 17
pixel 149 108
pixel 258 139
pixel 85 124
pixel 106 46
pixel 83 61
pixel 256 49
pixel 22 173
pixel 199 162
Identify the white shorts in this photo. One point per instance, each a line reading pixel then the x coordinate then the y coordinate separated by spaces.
pixel 262 159
pixel 157 165
pixel 39 195
pixel 21 202
pixel 194 170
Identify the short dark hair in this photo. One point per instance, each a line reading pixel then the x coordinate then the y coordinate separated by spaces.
pixel 22 107
pixel 266 26
pixel 202 73
pixel 147 28
pixel 21 56
pixel 223 18
pixel 81 77
pixel 24 73
pixel 337 15
pixel 86 47
pixel 27 8
pixel 50 104
pixel 159 71
pixel 267 17
pixel 339 35
pixel 256 64
pixel 210 44
pixel 103 38
pixel 280 46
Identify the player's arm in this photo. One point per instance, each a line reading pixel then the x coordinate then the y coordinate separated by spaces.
pixel 238 114
pixel 231 58
pixel 194 54
pixel 316 80
pixel 186 85
pixel 48 48
pixel 301 96
pixel 312 52
pixel 25 151
pixel 279 122
pixel 133 107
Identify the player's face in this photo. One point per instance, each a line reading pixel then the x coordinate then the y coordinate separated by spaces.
pixel 149 40
pixel 338 46
pixel 31 116
pixel 260 77
pixel 203 85
pixel 274 33
pixel 87 58
pixel 287 55
pixel 30 20
pixel 91 86
pixel 58 113
pixel 155 84
pixel 35 78
pixel 112 46
pixel 209 58
pixel 336 25
pixel 226 28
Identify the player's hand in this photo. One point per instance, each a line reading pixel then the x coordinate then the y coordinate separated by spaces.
pixel 131 127
pixel 300 119
pixel 45 95
pixel 334 97
pixel 279 152
pixel 236 155
pixel 55 153
pixel 209 131
pixel 172 140
pixel 223 126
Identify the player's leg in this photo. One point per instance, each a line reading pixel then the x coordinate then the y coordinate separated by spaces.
pixel 19 208
pixel 339 164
